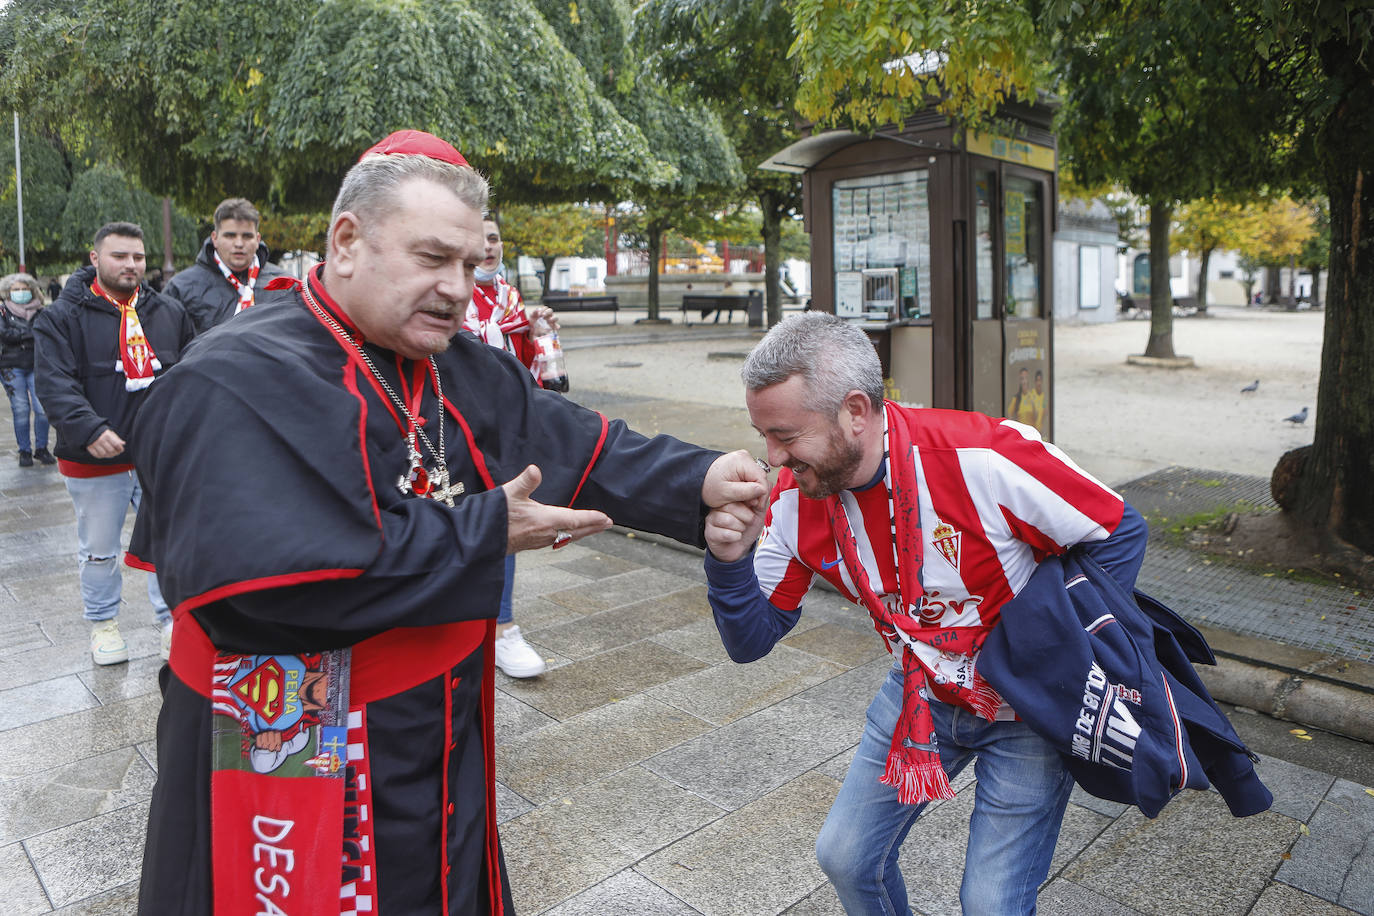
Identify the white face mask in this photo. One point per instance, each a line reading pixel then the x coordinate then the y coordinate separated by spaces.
pixel 485 276
pixel 21 296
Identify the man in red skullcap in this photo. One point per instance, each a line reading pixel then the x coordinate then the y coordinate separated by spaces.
pixel 331 487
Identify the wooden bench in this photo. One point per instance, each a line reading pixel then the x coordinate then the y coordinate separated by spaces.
pixel 720 302
pixel 584 304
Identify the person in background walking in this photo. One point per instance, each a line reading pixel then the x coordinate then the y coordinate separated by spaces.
pixel 22 300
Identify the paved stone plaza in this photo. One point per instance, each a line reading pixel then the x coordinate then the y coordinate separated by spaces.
pixel 645 774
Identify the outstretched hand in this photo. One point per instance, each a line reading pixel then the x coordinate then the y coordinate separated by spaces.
pixel 734 527
pixel 531 525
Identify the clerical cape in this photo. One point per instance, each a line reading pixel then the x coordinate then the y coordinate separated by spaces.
pixel 269 461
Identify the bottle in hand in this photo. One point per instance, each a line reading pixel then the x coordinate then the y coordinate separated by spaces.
pixel 548 360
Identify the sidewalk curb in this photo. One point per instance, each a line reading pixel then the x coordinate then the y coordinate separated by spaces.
pixel 1302 686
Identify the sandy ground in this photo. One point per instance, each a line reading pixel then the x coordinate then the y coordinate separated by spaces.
pixel 1117 420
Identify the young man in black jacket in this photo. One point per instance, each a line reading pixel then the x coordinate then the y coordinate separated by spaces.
pixel 97 349
pixel 229 271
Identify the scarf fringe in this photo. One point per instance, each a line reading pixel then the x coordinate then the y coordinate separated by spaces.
pixel 983 698
pixel 916 783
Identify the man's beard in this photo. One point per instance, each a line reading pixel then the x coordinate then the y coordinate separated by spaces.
pixel 837 472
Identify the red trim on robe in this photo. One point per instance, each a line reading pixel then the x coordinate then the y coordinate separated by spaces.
pixel 596 453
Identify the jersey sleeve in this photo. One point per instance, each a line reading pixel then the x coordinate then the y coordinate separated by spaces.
pixel 783 579
pixel 1049 502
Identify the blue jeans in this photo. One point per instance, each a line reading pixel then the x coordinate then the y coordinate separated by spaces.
pixel 507 612
pixel 23 403
pixel 101 505
pixel 1019 802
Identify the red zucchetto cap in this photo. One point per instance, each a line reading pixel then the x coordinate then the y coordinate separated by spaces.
pixel 416 143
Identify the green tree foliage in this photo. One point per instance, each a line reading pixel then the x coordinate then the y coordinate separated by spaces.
pixel 46 177
pixel 1179 101
pixel 548 232
pixel 104 194
pixel 273 100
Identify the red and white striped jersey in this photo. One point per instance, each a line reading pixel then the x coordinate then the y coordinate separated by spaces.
pixel 994 499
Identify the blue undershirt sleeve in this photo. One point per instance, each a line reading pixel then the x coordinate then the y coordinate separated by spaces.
pixel 749 624
pixel 1123 551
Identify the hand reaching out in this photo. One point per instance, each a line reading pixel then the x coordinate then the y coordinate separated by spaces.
pixel 531 525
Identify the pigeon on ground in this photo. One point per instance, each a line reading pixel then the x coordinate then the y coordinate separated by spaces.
pixel 1251 388
pixel 1299 417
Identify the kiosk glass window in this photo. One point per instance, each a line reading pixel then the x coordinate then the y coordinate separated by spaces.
pixel 882 246
pixel 1024 246
pixel 985 284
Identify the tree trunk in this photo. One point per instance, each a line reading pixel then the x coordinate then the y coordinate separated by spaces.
pixel 1333 492
pixel 1292 302
pixel 1161 343
pixel 655 247
pixel 1202 281
pixel 1316 286
pixel 773 210
pixel 548 275
pixel 1272 285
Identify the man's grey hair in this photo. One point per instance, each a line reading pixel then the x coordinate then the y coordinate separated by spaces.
pixel 371 188
pixel 831 354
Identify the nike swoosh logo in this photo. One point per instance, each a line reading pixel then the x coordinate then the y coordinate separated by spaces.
pixel 830 564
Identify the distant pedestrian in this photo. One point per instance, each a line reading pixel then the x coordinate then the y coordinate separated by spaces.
pixel 229 271
pixel 97 349
pixel 498 317
pixel 22 302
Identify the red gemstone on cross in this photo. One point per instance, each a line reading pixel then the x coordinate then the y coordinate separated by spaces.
pixel 419 481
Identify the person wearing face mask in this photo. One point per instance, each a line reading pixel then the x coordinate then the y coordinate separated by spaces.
pixel 22 300
pixel 498 317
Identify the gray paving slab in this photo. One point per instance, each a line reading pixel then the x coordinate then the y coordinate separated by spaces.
pixel 20 889
pixel 700 640
pixel 43 700
pixel 624 894
pixel 823 901
pixel 1334 859
pixel 122 901
pixel 64 795
pixel 1194 858
pixel 610 629
pixel 22 637
pixel 561 757
pixel 758 860
pixel 723 693
pixel 509 804
pixel 1064 898
pixel 535 614
pixel 646 551
pixel 514 718
pixel 1282 900
pixel 595 565
pixel 90 857
pixel 56 742
pixel 841 645
pixel 600 829
pixel 738 763
pixel 123 682
pixel 614 591
pixel 849 694
pixel 588 683
pixel 1297 790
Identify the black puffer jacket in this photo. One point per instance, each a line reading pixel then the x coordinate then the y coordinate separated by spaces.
pixel 75 358
pixel 16 340
pixel 206 295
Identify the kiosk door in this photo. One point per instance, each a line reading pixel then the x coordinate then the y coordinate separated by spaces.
pixel 1009 342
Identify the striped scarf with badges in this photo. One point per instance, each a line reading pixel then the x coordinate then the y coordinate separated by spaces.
pixel 244 290
pixel 913 763
pixel 137 362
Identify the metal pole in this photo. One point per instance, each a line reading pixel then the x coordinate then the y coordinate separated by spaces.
pixel 168 268
pixel 19 193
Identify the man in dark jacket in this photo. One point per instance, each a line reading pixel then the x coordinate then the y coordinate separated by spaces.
pixel 97 349
pixel 231 267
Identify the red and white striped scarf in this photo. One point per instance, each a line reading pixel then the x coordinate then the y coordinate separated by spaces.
pixel 913 762
pixel 137 361
pixel 504 315
pixel 245 290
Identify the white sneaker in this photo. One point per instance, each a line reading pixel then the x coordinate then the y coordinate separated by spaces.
pixel 167 641
pixel 107 646
pixel 515 657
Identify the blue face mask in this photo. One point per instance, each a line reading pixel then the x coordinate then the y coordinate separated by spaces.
pixel 21 296
pixel 485 276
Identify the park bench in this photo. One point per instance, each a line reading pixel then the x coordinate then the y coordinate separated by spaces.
pixel 720 302
pixel 584 304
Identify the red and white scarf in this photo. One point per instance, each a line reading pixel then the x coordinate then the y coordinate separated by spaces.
pixel 137 361
pixel 913 762
pixel 503 313
pixel 245 290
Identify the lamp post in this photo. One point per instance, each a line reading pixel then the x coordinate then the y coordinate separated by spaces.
pixel 19 193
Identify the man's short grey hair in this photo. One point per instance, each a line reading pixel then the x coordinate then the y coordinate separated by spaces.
pixel 371 189
pixel 831 354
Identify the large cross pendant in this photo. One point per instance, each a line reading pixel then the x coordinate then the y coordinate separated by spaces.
pixel 442 490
